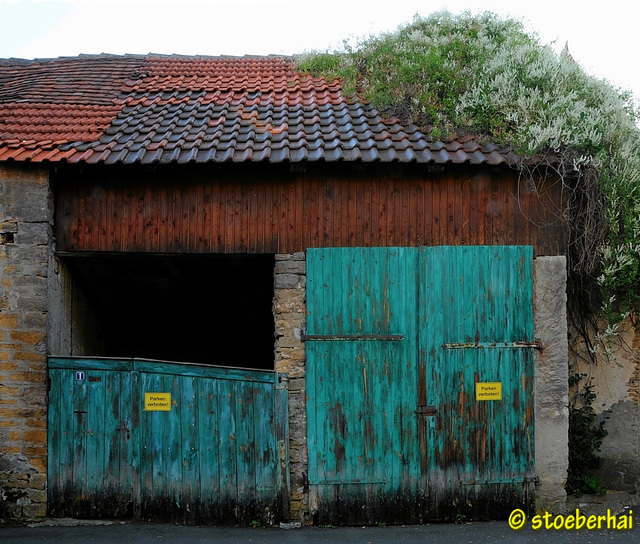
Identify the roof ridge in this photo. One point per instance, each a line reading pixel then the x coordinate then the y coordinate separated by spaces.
pixel 141 56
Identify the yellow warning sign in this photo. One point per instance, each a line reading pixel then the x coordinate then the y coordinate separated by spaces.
pixel 489 391
pixel 157 402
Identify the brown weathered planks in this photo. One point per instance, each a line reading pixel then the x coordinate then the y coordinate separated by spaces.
pixel 268 209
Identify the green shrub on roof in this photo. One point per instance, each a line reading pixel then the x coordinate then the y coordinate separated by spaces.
pixel 485 75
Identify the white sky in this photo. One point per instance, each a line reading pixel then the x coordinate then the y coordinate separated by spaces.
pixel 602 36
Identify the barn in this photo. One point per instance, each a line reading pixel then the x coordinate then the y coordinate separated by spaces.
pixel 230 293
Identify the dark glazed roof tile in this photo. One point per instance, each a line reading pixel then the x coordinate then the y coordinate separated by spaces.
pixel 173 109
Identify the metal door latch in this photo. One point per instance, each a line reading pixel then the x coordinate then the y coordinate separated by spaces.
pixel 426 411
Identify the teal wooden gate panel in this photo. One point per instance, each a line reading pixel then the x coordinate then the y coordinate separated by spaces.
pixel 361 383
pixel 478 317
pixel 217 455
pixel 397 338
pixel 90 449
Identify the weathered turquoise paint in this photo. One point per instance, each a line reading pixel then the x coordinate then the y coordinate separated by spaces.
pixel 214 458
pixel 377 451
pixel 363 454
pixel 480 453
pixel 89 444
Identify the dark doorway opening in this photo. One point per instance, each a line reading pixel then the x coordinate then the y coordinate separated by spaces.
pixel 208 309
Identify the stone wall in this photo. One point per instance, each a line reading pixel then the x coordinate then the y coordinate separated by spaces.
pixel 289 306
pixel 612 367
pixel 552 388
pixel 25 239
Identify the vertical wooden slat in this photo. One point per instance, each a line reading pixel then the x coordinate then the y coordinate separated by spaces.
pixel 155 218
pixel 440 205
pixel 92 226
pixel 296 217
pixel 60 437
pixel 197 219
pixel 463 212
pixel 190 447
pixel 209 437
pixel 374 213
pixel 79 441
pixel 252 223
pixel 450 211
pixel 95 435
pixel 310 213
pixel 244 446
pixel 176 218
pixel 400 216
pixel 151 453
pixel 264 210
pixel 188 204
pixel 126 218
pixel 102 220
pixel 428 215
pixel 174 460
pixel 241 216
pixel 228 444
pixel 407 216
pixel 508 225
pixel 216 232
pixel 82 217
pixel 493 213
pixel 521 226
pixel 264 446
pixel 110 222
pixel 136 220
pixel 473 211
pixel 271 219
pixel 358 216
pixel 484 202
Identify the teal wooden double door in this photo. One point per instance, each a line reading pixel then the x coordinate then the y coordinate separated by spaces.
pixel 420 367
pixel 164 441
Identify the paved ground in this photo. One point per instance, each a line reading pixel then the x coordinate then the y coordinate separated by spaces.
pixel 138 533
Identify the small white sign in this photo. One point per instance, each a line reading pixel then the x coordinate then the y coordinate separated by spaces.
pixel 80 376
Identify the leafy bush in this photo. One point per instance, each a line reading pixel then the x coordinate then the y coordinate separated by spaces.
pixel 585 439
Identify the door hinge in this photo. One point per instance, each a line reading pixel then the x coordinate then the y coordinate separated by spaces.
pixel 503 481
pixel 351 337
pixel 492 345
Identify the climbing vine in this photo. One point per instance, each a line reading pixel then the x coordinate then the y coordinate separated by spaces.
pixel 486 76
pixel 585 438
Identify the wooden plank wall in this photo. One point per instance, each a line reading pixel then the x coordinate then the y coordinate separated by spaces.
pixel 270 209
pixel 218 456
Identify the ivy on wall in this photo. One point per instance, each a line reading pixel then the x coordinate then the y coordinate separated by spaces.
pixel 585 438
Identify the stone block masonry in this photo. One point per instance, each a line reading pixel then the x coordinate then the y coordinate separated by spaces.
pixel 25 240
pixel 552 386
pixel 289 308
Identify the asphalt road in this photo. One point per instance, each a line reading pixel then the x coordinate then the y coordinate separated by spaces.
pixel 139 533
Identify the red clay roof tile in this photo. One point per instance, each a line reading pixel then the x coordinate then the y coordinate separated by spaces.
pixel 163 109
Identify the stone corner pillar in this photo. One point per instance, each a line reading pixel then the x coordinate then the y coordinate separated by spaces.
pixel 551 383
